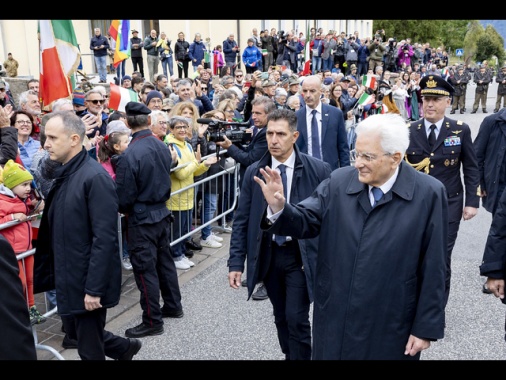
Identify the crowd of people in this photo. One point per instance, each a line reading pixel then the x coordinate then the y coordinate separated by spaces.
pixel 315 148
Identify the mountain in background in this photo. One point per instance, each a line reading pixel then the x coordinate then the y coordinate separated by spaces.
pixel 499 25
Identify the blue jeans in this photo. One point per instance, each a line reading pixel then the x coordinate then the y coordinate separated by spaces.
pixel 101 63
pixel 317 65
pixel 328 63
pixel 120 71
pixel 168 62
pixel 209 204
pixel 181 226
pixel 51 299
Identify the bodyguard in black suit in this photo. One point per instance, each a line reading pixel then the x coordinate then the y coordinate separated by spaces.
pixel 332 132
pixel 285 265
pixel 451 152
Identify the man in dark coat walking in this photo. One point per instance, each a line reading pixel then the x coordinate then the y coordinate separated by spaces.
pixel 286 267
pixel 380 271
pixel 77 246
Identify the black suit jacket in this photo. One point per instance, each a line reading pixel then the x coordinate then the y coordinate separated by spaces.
pixel 334 141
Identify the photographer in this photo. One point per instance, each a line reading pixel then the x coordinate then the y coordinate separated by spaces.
pixel 376 52
pixel 404 54
pixel 391 55
pixel 330 45
pixel 351 53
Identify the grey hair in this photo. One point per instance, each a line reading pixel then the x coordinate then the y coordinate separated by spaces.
pixel 156 115
pixel 72 124
pixel 59 103
pixel 267 102
pixel 23 97
pixel 94 90
pixel 393 131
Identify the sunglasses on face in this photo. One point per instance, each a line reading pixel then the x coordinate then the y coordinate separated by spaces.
pixel 95 102
pixel 166 110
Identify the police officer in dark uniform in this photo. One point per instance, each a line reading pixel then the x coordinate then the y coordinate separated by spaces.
pixel 143 185
pixel 443 153
pixel 459 82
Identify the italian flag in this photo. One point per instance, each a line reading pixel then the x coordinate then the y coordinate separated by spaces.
pixel 368 81
pixel 120 96
pixel 365 99
pixel 59 59
pixel 119 30
pixel 307 56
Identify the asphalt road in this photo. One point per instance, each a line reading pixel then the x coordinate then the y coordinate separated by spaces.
pixel 219 324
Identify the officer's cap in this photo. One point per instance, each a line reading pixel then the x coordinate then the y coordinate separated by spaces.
pixel 435 85
pixel 136 108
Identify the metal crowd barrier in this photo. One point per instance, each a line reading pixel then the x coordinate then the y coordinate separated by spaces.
pixel 229 181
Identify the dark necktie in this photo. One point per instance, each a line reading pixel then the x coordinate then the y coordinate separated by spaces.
pixel 280 240
pixel 315 140
pixel 377 193
pixel 432 135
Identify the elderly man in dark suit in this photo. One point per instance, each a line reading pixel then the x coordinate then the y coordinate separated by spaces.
pixel 443 148
pixel 321 127
pixel 285 264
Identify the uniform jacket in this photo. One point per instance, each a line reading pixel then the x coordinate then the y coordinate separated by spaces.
pixel 494 257
pixel 490 147
pixel 372 290
pixel 459 83
pixel 17 341
pixel 99 41
pixel 183 176
pixel 486 77
pixel 19 235
pixel 334 140
pixel 143 179
pixel 501 88
pixel 250 243
pixel 452 152
pixel 77 245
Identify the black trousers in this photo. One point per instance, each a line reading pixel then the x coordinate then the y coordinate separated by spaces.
pixel 181 70
pixel 455 207
pixel 154 269
pixel 286 286
pixel 93 341
pixel 138 64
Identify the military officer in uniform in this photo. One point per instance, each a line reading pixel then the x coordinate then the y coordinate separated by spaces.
pixel 441 147
pixel 459 82
pixel 482 78
pixel 501 89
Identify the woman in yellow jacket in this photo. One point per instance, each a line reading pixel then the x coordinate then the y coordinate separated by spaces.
pixel 181 204
pixel 166 52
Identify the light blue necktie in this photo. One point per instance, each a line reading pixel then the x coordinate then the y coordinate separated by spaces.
pixel 377 195
pixel 280 240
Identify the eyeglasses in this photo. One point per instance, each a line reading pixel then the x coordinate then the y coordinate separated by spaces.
pixel 238 76
pixel 25 122
pixel 369 157
pixel 180 127
pixel 163 122
pixel 204 88
pixel 95 102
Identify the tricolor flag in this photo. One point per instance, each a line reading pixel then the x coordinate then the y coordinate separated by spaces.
pixel 307 55
pixel 59 58
pixel 365 99
pixel 383 109
pixel 119 30
pixel 369 81
pixel 120 96
pixel 445 72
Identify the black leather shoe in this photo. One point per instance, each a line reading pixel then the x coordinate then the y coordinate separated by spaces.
pixel 462 111
pixel 452 112
pixel 172 313
pixel 68 343
pixel 193 246
pixel 135 346
pixel 473 111
pixel 484 110
pixel 189 254
pixel 244 282
pixel 486 290
pixel 260 294
pixel 143 330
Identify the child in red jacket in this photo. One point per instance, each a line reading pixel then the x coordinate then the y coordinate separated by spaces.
pixel 15 204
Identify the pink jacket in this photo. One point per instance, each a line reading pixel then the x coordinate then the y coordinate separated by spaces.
pixel 19 235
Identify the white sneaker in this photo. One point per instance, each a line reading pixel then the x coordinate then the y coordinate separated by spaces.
pixel 181 264
pixel 210 243
pixel 126 263
pixel 216 237
pixel 188 261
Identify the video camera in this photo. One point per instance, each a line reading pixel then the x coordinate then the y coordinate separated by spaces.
pixel 235 132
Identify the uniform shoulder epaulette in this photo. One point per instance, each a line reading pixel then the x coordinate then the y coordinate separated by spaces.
pixel 460 122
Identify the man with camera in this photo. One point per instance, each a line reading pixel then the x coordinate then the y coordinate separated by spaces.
pixel 376 52
pixel 391 55
pixel 351 53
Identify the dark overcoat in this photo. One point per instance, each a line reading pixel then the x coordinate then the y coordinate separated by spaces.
pixel 249 242
pixel 380 273
pixel 490 147
pixel 77 246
